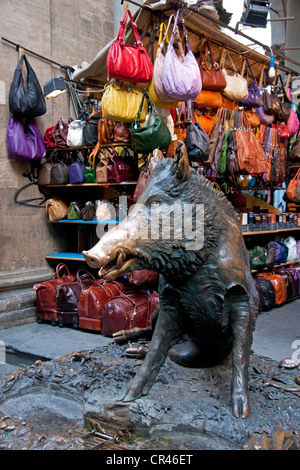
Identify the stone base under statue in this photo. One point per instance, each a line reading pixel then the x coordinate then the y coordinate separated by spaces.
pixel 68 402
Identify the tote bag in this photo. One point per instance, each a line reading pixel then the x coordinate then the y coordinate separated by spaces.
pixel 181 80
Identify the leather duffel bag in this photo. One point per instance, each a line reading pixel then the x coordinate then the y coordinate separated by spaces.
pixel 93 300
pixel 68 293
pixel 46 300
pixel 279 285
pixel 289 280
pixel 296 277
pixel 128 310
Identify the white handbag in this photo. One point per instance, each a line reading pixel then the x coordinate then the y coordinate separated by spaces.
pixel 236 86
pixel 75 133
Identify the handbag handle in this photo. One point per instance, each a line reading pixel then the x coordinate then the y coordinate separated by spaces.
pixel 146 93
pixel 81 274
pixel 203 60
pixel 59 268
pixel 174 31
pixel 121 32
pixel 163 37
pixel 249 68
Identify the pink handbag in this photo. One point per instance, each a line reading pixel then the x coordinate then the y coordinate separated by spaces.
pixel 181 80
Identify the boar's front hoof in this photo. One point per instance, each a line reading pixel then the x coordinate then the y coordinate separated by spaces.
pixel 240 404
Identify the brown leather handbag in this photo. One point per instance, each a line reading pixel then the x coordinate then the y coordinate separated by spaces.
pixel 208 99
pixel 68 293
pixel 46 300
pixel 121 132
pixel 293 188
pixel 56 209
pixel 128 310
pixel 279 284
pixel 211 73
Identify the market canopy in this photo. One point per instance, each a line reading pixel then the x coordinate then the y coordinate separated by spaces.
pixel 199 26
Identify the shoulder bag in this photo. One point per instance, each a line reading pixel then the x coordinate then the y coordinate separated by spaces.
pixel 293 188
pixel 24 141
pixel 128 63
pixel 211 75
pixel 285 103
pixel 181 80
pixel 75 133
pixel 121 103
pixel 156 89
pixel 197 141
pixel 294 154
pixel 236 88
pixel 147 138
pixel 254 98
pixel 26 100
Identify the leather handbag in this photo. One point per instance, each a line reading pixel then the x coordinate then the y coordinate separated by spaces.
pixel 143 277
pixel 257 258
pixel 75 133
pixel 68 293
pixel 253 117
pixel 59 173
pixel 211 74
pixel 119 169
pixel 90 131
pixel 26 99
pixel 205 120
pixel 93 299
pixel 279 285
pixel 128 63
pixel 44 176
pixel 60 133
pixel 289 280
pixel 74 210
pixel 121 104
pixel 88 212
pixel 282 130
pixel 218 141
pixel 296 278
pixel 197 141
pixel 128 310
pixel 101 171
pixel 267 291
pixel 285 103
pixel 156 89
pixel 56 209
pixel 147 138
pixel 236 88
pixel 292 123
pixel 254 98
pixel 121 133
pixel 208 99
pixel 76 172
pixel 271 255
pixel 181 80
pixel 291 190
pixel 46 300
pixel 250 156
pixel 141 183
pixel 180 122
pixel 24 141
pixel 275 155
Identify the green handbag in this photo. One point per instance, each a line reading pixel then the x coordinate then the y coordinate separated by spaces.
pixel 74 211
pixel 151 136
pixel 257 257
pixel 90 174
pixel 222 163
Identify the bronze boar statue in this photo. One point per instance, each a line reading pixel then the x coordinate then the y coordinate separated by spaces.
pixel 208 300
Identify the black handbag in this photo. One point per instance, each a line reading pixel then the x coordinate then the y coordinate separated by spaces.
pixel 29 100
pixel 285 105
pixel 197 141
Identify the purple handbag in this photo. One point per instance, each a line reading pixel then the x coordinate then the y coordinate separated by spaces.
pixel 254 99
pixel 296 277
pixel 181 80
pixel 24 141
pixel 77 173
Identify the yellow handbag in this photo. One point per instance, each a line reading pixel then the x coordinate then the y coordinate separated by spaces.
pixel 121 103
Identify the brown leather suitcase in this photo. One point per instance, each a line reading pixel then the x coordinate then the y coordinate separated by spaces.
pixel 127 311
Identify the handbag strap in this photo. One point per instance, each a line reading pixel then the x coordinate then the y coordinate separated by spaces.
pixel 83 273
pixel 203 60
pixel 175 28
pixel 146 93
pixel 121 32
pixel 249 68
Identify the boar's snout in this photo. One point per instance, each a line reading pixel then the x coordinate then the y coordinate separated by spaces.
pixel 92 259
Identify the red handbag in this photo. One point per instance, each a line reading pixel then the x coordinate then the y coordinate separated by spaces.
pixel 46 300
pixel 119 170
pixel 92 301
pixel 128 310
pixel 128 63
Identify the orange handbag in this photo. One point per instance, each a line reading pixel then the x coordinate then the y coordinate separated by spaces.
pixel 293 189
pixel 208 99
pixel 205 120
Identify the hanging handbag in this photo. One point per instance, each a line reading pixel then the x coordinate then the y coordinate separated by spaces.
pixel 292 123
pixel 181 80
pixel 90 130
pixel 265 119
pixel 121 133
pixel 128 63
pixel 60 133
pixel 26 100
pixel 275 155
pixel 49 138
pixel 209 99
pixel 75 133
pixel 46 300
pixel 282 130
pixel 147 138
pixel 219 140
pixel 205 120
pixel 236 88
pixel 252 117
pixel 250 156
pixel 121 104
pixel 24 141
pixel 211 75
pixel 56 209
pixel 156 89
pixel 292 190
pixel 294 154
pixel 285 103
pixel 254 98
pixel 180 123
pixel 197 141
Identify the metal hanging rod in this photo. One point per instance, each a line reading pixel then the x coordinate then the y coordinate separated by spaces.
pixel 18 46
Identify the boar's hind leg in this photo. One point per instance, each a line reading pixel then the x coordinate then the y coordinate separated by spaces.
pixel 168 331
pixel 242 334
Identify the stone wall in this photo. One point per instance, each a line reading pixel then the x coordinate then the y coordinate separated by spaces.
pixel 67 32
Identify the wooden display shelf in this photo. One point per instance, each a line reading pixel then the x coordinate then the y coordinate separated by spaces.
pixel 81 221
pixel 266 232
pixel 87 184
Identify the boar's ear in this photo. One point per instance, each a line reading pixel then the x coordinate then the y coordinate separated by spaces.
pixel 182 161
